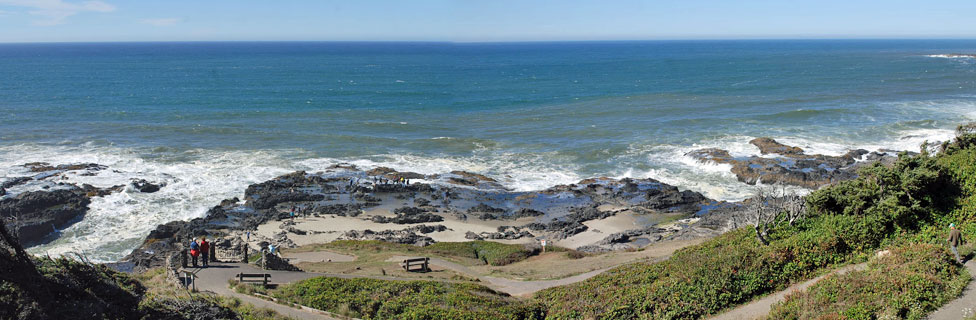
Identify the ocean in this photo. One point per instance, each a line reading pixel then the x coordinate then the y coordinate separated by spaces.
pixel 208 119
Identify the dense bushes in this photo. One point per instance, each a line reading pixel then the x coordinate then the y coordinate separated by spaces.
pixel 700 280
pixel 379 299
pixel 905 284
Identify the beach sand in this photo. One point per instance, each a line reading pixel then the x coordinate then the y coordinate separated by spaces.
pixel 329 228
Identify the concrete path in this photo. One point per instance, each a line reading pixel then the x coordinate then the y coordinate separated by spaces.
pixel 760 308
pixel 964 305
pixel 214 279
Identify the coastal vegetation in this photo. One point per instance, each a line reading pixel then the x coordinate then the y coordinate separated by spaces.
pixel 910 201
pixel 380 299
pixel 904 283
pixel 469 252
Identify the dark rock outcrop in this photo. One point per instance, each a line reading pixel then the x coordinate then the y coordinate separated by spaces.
pixel 409 215
pixel 342 210
pixel 392 174
pixel 504 233
pixel 425 229
pixel 15 182
pixel 392 236
pixel 44 166
pixel 145 186
pixel 34 215
pixel 792 167
pixel 268 201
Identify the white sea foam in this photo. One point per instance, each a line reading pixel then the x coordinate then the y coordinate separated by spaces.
pixel 520 172
pixel 952 56
pixel 115 224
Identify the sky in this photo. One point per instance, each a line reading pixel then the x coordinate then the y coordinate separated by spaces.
pixel 478 20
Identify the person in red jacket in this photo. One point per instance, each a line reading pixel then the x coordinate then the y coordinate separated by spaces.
pixel 194 251
pixel 205 251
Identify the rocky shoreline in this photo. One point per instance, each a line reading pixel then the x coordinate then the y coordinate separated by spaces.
pixel 36 217
pixel 778 163
pixel 594 215
pixel 412 211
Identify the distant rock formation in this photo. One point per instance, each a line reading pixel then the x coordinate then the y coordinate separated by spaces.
pixel 792 166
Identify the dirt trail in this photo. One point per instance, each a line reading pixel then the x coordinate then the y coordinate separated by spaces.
pixel 964 305
pixel 524 288
pixel 509 286
pixel 759 308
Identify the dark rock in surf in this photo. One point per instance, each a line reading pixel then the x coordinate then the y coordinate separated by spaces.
pixel 14 182
pixel 146 187
pixel 36 214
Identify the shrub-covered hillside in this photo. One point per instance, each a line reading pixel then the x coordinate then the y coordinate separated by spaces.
pixel 912 201
pixel 905 283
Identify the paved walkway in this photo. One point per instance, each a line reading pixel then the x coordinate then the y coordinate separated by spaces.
pixel 964 305
pixel 214 279
pixel 760 308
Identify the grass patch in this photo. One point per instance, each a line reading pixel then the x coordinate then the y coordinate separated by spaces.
pixel 488 252
pixel 379 299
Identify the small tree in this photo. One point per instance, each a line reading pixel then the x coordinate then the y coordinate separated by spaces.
pixel 763 214
pixel 794 206
pixel 769 206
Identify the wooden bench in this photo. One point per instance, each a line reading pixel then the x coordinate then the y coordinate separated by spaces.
pixel 263 277
pixel 424 264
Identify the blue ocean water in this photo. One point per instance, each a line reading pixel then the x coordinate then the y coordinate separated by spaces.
pixel 210 118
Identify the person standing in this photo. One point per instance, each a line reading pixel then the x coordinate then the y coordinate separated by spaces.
pixel 194 251
pixel 248 237
pixel 205 251
pixel 955 239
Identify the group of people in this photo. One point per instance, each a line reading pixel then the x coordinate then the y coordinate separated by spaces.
pixel 396 180
pixel 200 250
pixel 296 211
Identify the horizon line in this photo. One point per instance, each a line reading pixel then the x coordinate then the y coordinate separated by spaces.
pixel 505 41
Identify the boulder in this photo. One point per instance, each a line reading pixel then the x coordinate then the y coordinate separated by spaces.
pixel 145 186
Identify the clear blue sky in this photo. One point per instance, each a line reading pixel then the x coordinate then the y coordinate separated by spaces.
pixel 479 20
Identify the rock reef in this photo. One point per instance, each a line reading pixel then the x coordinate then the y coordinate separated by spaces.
pixel 782 164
